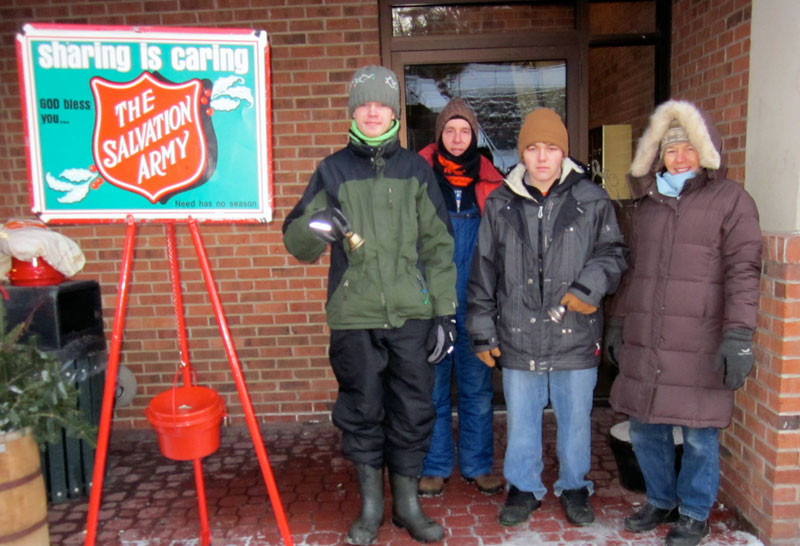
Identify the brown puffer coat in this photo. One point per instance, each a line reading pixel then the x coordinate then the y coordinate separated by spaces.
pixel 694 273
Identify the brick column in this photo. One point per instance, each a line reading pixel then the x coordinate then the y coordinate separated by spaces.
pixel 760 478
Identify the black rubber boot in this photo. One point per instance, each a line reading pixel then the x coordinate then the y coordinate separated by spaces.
pixel 406 512
pixel 364 530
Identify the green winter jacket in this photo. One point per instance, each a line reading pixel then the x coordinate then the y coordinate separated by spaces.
pixel 404 270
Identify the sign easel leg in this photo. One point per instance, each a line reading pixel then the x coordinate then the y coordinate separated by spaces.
pixel 186 370
pixel 111 379
pixel 110 384
pixel 241 387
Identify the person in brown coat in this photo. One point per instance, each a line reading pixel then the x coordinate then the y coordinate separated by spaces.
pixel 684 317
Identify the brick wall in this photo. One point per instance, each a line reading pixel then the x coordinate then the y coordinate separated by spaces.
pixel 621 83
pixel 761 449
pixel 710 66
pixel 274 304
pixel 761 455
pixel 621 79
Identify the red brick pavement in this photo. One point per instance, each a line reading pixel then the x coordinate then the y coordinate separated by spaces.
pixel 149 500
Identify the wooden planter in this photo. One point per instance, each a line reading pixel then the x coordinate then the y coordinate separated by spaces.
pixel 23 501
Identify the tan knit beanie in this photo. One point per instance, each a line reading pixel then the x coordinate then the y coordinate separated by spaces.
pixel 543 125
pixel 676 133
pixel 456 108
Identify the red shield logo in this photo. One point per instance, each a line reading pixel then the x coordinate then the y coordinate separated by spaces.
pixel 148 135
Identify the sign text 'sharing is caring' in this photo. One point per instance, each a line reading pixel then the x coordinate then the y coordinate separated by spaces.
pixel 154 123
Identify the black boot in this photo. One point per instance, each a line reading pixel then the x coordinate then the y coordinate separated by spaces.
pixel 364 530
pixel 406 512
pixel 576 506
pixel 648 517
pixel 687 532
pixel 519 505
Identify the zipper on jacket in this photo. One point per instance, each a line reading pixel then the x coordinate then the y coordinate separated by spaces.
pixel 542 244
pixel 377 160
pixel 423 289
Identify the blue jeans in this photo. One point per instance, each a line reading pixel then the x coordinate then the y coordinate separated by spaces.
pixel 694 489
pixel 527 394
pixel 473 379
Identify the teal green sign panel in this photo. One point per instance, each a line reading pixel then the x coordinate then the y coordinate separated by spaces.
pixel 153 123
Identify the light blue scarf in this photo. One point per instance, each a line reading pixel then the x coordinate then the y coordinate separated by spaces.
pixel 671 185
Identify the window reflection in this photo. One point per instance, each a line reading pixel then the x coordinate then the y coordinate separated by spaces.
pixel 501 94
pixel 478 18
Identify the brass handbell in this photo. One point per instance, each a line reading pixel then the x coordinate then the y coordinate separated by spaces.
pixel 354 240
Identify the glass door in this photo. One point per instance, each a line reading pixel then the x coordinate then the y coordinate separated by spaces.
pixel 501 94
pixel 502 85
pixel 503 58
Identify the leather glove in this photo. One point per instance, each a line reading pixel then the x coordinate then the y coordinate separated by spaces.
pixel 736 355
pixel 329 224
pixel 612 341
pixel 441 338
pixel 574 303
pixel 489 357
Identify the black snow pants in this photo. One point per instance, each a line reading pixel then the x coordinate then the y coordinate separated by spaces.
pixel 384 407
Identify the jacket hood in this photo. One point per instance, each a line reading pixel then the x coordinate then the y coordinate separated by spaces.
pixel 515 179
pixel 702 134
pixel 456 108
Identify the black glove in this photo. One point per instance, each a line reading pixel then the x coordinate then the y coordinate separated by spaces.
pixel 612 341
pixel 441 338
pixel 329 224
pixel 736 354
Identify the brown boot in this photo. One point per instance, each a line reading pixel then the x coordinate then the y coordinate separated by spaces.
pixel 487 484
pixel 431 486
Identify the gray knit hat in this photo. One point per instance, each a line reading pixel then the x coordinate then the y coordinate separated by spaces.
pixel 374 84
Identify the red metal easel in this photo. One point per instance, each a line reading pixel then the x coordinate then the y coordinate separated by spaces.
pixel 233 360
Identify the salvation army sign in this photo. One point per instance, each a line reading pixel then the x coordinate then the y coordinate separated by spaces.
pixel 152 155
pixel 158 123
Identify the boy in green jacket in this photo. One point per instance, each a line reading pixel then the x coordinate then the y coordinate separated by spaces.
pixel 391 298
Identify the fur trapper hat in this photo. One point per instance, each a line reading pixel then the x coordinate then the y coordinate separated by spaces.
pixel 456 108
pixel 696 124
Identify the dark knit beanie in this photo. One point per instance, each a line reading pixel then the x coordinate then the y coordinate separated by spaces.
pixel 456 108
pixel 543 125
pixel 374 84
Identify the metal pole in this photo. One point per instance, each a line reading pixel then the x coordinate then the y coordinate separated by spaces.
pixel 186 369
pixel 110 384
pixel 241 387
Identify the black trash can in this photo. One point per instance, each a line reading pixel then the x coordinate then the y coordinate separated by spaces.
pixel 630 473
pixel 67 320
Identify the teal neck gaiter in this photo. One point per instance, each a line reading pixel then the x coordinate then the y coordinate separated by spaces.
pixel 671 185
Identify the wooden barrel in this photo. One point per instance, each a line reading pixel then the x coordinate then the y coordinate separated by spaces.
pixel 23 500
